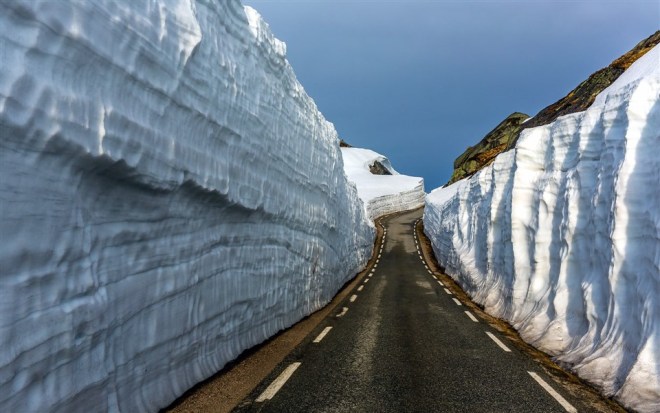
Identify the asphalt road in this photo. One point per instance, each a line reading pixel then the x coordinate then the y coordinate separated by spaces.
pixel 401 342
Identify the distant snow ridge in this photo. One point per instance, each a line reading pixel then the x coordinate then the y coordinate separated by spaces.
pixel 381 194
pixel 170 196
pixel 562 237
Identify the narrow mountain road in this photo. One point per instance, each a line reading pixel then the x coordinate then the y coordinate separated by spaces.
pixel 402 342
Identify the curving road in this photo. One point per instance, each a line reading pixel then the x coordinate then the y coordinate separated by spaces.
pixel 402 342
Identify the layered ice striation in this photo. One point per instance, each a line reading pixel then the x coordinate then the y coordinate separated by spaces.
pixel 382 194
pixel 561 237
pixel 170 196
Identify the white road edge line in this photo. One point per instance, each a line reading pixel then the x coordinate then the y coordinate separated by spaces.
pixel 276 385
pixel 360 288
pixel 353 297
pixel 564 403
pixel 498 342
pixel 447 291
pixel 456 301
pixel 322 335
pixel 473 318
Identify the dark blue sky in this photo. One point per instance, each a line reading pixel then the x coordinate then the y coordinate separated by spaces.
pixel 420 81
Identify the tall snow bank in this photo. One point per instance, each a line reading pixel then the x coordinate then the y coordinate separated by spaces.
pixel 170 196
pixel 562 237
pixel 381 194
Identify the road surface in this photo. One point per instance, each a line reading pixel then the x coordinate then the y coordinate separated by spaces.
pixel 402 342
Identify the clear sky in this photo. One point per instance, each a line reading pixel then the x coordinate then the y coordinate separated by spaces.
pixel 419 81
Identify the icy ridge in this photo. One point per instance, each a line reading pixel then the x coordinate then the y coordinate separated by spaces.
pixel 561 237
pixel 170 196
pixel 381 194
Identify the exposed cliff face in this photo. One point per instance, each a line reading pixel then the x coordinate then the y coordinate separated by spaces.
pixel 579 99
pixel 500 139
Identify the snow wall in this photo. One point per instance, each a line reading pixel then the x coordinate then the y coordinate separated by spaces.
pixel 170 196
pixel 381 194
pixel 561 237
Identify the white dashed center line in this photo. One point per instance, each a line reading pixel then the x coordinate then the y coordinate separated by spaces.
pixel 353 297
pixel 473 318
pixel 564 403
pixel 344 310
pixel 322 335
pixel 456 301
pixel 498 342
pixel 278 383
pixel 447 291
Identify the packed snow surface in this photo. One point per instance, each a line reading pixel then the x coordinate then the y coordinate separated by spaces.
pixel 561 237
pixel 381 194
pixel 170 196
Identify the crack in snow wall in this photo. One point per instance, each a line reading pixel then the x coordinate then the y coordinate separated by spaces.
pixel 170 196
pixel 561 237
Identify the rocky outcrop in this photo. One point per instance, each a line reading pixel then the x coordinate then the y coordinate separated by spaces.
pixel 506 134
pixel 499 140
pixel 377 168
pixel 580 98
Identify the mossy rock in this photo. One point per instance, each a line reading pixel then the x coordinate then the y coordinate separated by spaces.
pixel 580 98
pixel 506 134
pixel 500 139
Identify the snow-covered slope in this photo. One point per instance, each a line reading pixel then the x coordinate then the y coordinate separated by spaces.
pixel 562 237
pixel 381 194
pixel 170 196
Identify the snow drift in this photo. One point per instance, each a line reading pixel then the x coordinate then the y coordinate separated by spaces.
pixel 170 196
pixel 562 237
pixel 381 194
